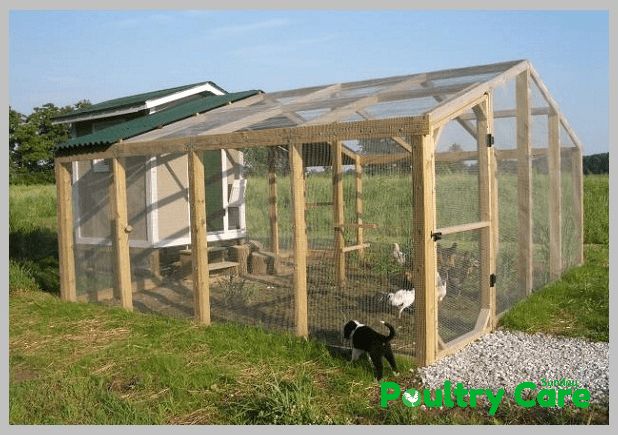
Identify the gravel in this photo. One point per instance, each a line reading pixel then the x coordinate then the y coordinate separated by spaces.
pixel 507 358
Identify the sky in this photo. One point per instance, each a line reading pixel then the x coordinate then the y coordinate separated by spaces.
pixel 62 57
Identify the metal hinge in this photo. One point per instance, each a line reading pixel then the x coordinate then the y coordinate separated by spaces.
pixel 490 139
pixel 492 280
pixel 436 236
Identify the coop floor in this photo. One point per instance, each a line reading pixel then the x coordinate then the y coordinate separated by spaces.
pixel 268 302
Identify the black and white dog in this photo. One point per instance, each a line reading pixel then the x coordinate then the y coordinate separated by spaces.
pixel 364 339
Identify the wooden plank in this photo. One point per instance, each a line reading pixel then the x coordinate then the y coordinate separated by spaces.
pixel 487 259
pixel 554 105
pixel 272 203
pixel 66 255
pixel 360 247
pixel 554 198
pixel 524 181
pixel 382 159
pixel 319 204
pixel 120 236
pixel 338 211
pixel 508 113
pixel 464 123
pixel 358 184
pixel 459 343
pixel 356 225
pixel 199 243
pixel 424 248
pixel 578 205
pixel 300 239
pixel 222 265
pixel 365 129
pixel 463 227
pixel 450 108
pixel 389 93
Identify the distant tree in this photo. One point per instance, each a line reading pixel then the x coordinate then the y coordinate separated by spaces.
pixel 596 164
pixel 32 138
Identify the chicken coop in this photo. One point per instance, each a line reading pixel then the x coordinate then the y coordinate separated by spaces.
pixel 459 189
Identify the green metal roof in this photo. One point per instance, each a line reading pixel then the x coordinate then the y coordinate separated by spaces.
pixel 137 126
pixel 131 100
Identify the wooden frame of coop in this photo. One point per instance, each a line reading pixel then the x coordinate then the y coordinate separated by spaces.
pixel 330 128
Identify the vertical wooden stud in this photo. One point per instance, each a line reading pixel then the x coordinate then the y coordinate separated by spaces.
pixel 578 205
pixel 338 211
pixel 66 255
pixel 424 248
pixel 555 196
pixel 272 202
pixel 300 239
pixel 120 235
pixel 358 173
pixel 199 243
pixel 524 180
pixel 485 161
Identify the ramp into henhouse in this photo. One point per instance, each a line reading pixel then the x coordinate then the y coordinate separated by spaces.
pixel 460 189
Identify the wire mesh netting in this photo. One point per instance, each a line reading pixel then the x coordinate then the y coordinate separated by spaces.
pixel 569 219
pixel 458 195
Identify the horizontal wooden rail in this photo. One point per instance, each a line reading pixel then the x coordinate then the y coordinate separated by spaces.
pixel 318 204
pixel 355 225
pixel 356 247
pixel 461 228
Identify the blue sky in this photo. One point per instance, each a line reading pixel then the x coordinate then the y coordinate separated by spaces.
pixel 64 56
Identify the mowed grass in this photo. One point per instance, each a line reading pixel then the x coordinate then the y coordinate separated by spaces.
pixel 577 305
pixel 76 363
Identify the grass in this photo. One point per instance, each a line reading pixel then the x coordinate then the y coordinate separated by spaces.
pixel 76 363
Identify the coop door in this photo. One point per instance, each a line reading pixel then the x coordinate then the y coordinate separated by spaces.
pixel 215 212
pixel 464 222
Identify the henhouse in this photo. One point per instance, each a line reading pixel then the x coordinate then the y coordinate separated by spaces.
pixel 299 210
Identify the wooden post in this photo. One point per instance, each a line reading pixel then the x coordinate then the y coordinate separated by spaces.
pixel 358 172
pixel 578 205
pixel 485 162
pixel 524 181
pixel 199 244
pixel 66 255
pixel 338 211
pixel 272 202
pixel 120 235
pixel 555 197
pixel 424 248
pixel 300 239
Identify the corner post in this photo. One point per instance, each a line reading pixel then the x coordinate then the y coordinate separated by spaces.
pixel 338 211
pixel 120 236
pixel 424 265
pixel 555 196
pixel 300 239
pixel 358 173
pixel 578 189
pixel 524 180
pixel 66 255
pixel 272 202
pixel 199 243
pixel 484 127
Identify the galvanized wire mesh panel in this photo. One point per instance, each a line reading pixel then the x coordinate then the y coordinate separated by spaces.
pixel 458 260
pixel 540 222
pixel 94 256
pixel 569 220
pixel 376 213
pixel 508 286
pixel 458 284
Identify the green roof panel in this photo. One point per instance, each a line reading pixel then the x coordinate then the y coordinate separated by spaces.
pixel 137 126
pixel 131 100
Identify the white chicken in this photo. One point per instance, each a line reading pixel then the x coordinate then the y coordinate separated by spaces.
pixel 402 299
pixel 440 286
pixel 399 256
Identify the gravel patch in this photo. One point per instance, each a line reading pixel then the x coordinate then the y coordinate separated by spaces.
pixel 507 358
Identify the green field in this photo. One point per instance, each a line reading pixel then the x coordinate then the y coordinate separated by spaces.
pixel 85 363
